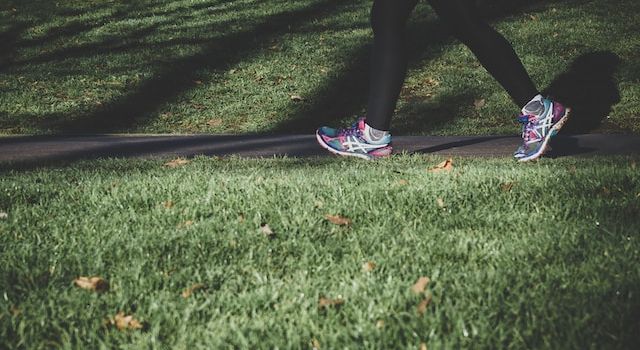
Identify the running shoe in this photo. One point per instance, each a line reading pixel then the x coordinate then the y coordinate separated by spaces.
pixel 351 142
pixel 537 130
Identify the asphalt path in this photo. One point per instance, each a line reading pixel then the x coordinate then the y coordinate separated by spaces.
pixel 36 150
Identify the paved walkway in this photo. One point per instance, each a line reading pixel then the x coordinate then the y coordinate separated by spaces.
pixel 35 150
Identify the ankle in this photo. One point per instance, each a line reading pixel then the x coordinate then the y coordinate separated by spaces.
pixel 373 135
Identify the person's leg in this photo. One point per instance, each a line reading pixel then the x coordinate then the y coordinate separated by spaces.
pixel 369 138
pixel 388 59
pixel 542 118
pixel 493 51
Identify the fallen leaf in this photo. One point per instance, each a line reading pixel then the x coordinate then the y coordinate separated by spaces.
pixel 3 215
pixel 447 165
pixel 440 202
pixel 368 266
pixel 215 122
pixel 403 182
pixel 185 224
pixel 605 191
pixel 324 303
pixel 241 218
pixel 380 324
pixel 95 284
pixel 176 163
pixel 15 311
pixel 296 98
pixel 189 291
pixel 533 17
pixel 122 322
pixel 266 231
pixel 423 346
pixel 633 164
pixel 507 186
pixel 420 285
pixel 197 82
pixel 338 220
pixel 167 204
pixel 422 307
pixel 479 103
pixel 315 344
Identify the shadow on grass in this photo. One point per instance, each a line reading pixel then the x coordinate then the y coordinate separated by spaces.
pixel 589 88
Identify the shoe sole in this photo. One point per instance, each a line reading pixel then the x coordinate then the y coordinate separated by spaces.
pixel 341 153
pixel 545 144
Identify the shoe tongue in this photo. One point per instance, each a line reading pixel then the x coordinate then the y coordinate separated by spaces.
pixel 361 124
pixel 535 107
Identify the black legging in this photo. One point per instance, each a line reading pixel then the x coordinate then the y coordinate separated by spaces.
pixel 389 62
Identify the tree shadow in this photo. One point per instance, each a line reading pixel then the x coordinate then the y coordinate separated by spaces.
pixel 589 88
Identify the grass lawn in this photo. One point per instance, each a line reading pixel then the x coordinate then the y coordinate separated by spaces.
pixel 540 255
pixel 192 66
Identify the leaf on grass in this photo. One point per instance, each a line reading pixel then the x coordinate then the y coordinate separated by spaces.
pixel 197 82
pixel 3 215
pixel 420 285
pixel 178 162
pixel 423 346
pixel 507 186
pixel 338 220
pixel 189 291
pixel 185 224
pixel 266 230
pixel 167 204
pixel 296 98
pixel 15 311
pixel 605 191
pixel 325 303
pixel 479 103
pixel 440 202
pixel 403 182
pixel 315 344
pixel 380 324
pixel 368 266
pixel 215 122
pixel 96 284
pixel 422 307
pixel 447 165
pixel 122 322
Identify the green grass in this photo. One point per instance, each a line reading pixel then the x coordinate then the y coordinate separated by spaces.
pixel 550 261
pixel 191 66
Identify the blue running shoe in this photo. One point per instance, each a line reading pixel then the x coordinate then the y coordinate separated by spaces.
pixel 351 142
pixel 537 130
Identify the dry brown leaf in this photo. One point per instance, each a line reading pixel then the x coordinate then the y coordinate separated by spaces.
pixel 422 307
pixel 380 324
pixel 122 322
pixel 315 344
pixel 296 98
pixel 324 303
pixel 447 165
pixel 215 122
pixel 440 202
pixel 403 182
pixel 507 186
pixel 95 284
pixel 197 82
pixel 176 163
pixel 185 224
pixel 15 311
pixel 605 191
pixel 368 266
pixel 189 291
pixel 479 103
pixel 338 220
pixel 423 346
pixel 266 231
pixel 167 204
pixel 420 285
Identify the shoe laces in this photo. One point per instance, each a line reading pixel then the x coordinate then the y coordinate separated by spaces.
pixel 529 127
